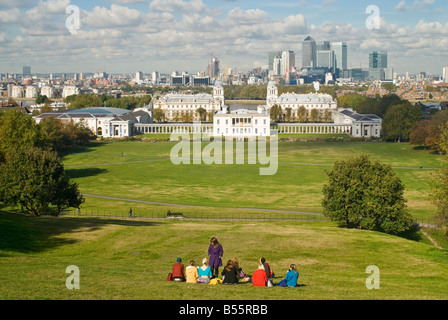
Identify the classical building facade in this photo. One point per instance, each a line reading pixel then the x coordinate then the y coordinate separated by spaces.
pixel 104 122
pixel 177 105
pixel 363 125
pixel 323 103
pixel 242 123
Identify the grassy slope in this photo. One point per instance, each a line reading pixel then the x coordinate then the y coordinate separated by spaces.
pixel 122 259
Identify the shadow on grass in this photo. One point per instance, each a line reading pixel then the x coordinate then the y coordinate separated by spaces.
pixel 413 233
pixel 84 172
pixel 25 234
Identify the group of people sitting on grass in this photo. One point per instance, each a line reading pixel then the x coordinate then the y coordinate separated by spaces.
pixel 232 273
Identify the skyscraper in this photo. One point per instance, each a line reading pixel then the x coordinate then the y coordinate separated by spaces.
pixel 271 56
pixel 340 53
pixel 445 74
pixel 378 59
pixel 326 59
pixel 26 70
pixel 309 53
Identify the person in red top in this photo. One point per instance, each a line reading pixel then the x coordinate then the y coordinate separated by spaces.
pixel 178 270
pixel 259 278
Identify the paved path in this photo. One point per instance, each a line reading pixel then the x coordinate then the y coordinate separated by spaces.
pixel 197 206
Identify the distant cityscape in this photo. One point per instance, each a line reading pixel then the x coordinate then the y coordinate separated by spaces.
pixel 322 61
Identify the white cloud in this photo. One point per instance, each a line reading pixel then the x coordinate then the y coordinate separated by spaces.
pixel 179 6
pixel 116 16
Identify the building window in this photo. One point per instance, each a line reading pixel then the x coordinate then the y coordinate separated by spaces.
pixel 256 121
pixel 256 130
pixel 217 121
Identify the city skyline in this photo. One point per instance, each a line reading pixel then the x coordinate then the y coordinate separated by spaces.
pixel 125 36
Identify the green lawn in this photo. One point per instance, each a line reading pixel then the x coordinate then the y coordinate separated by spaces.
pixel 129 259
pixel 145 172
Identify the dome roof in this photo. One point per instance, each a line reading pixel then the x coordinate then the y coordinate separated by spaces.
pixel 272 84
pixel 218 83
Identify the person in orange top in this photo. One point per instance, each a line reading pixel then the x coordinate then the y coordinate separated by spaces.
pixel 259 277
pixel 178 270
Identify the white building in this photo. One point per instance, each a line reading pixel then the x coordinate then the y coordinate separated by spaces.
pixel 103 122
pixel 363 125
pixel 17 91
pixel 69 90
pixel 319 101
pixel 48 91
pixel 177 104
pixel 242 123
pixel 31 92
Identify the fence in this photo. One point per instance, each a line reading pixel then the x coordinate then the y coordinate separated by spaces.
pixel 249 216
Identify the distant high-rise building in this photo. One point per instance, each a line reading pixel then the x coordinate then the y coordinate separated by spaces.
pixel 326 59
pixel 445 74
pixel 271 56
pixel 309 53
pixel 287 63
pixel 138 76
pixel 26 70
pixel 155 77
pixel 378 59
pixel 323 46
pixel 277 66
pixel 340 54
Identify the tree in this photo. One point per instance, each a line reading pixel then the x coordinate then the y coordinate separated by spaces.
pixel 35 179
pixel 159 115
pixel 276 112
pixel 399 120
pixel 17 129
pixel 367 194
pixel 314 115
pixel 42 99
pixel 302 114
pixel 201 114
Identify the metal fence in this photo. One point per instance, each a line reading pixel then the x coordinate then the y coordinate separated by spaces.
pixel 241 216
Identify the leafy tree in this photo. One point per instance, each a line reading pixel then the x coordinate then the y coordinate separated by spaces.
pixel 42 99
pixel 159 115
pixel 35 179
pixel 367 194
pixel 302 113
pixel 276 112
pixel 17 129
pixel 201 113
pixel 399 120
pixel 314 115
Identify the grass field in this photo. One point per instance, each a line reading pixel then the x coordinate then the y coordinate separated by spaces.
pixel 122 258
pixel 129 259
pixel 145 172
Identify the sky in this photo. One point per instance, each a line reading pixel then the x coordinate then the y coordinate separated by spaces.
pixel 125 36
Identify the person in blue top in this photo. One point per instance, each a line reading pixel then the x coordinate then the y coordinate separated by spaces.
pixel 204 272
pixel 292 276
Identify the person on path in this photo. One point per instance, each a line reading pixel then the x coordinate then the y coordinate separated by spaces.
pixel 215 252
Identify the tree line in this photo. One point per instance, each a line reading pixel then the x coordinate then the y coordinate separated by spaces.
pixel 31 172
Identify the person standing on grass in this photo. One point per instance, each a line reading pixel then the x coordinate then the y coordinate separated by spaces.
pixel 130 213
pixel 215 252
pixel 178 271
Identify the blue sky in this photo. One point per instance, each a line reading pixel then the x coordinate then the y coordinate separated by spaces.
pixel 123 36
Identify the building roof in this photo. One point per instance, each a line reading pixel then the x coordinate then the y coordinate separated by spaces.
pixel 187 98
pixel 305 98
pixel 100 111
pixel 360 117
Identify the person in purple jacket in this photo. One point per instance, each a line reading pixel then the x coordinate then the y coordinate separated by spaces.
pixel 215 252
